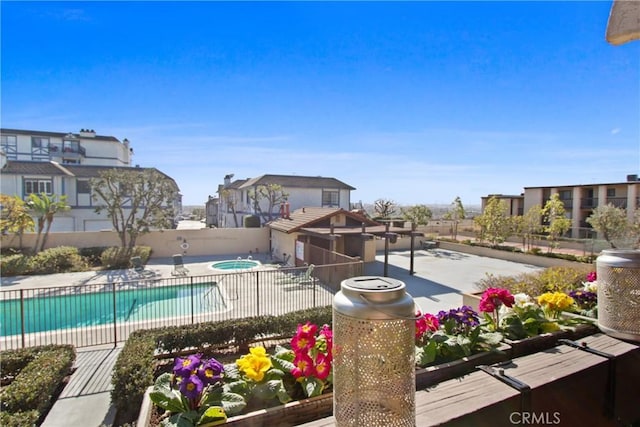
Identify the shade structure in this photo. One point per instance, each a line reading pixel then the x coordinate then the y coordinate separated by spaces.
pixel 624 22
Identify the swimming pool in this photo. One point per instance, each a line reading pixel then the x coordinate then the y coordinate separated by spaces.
pixel 235 264
pixel 99 308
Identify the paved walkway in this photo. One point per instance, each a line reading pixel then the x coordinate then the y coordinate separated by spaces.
pixel 439 280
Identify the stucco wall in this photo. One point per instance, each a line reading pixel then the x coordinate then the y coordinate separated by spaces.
pixel 206 241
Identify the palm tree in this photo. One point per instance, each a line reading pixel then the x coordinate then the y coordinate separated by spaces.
pixel 45 207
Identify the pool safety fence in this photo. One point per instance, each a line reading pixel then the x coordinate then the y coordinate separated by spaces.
pixel 106 313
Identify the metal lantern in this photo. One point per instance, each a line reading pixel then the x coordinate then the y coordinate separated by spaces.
pixel 374 353
pixel 618 276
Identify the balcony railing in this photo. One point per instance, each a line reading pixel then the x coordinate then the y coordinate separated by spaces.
pixel 618 202
pixel 588 202
pixel 67 151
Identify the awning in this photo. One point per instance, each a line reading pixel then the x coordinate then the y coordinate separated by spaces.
pixel 624 22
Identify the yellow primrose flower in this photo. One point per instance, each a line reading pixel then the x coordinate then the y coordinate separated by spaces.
pixel 555 301
pixel 549 327
pixel 255 364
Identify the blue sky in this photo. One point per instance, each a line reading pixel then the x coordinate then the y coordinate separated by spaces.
pixel 416 102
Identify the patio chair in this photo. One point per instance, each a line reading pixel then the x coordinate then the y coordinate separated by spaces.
pixel 297 278
pixel 178 266
pixel 138 267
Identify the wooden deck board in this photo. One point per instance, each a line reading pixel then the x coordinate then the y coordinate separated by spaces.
pixel 567 385
pixel 93 373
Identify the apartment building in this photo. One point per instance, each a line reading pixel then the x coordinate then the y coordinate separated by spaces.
pixel 59 163
pixel 302 191
pixel 580 200
pixel 515 203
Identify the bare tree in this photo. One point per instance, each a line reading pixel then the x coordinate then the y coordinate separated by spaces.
pixel 384 208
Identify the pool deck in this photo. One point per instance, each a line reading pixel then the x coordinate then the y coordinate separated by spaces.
pixel 439 280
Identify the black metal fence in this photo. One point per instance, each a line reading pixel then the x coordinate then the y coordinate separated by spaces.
pixel 96 314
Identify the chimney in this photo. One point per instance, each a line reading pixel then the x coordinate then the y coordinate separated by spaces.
pixel 227 179
pixel 87 133
pixel 631 178
pixel 286 210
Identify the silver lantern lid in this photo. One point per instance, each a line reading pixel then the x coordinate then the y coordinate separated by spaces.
pixel 374 298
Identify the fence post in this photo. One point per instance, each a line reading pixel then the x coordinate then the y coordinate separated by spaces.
pixel 257 293
pixel 22 326
pixel 115 317
pixel 192 302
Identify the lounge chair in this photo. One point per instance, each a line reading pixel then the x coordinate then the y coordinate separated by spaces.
pixel 299 278
pixel 138 267
pixel 178 266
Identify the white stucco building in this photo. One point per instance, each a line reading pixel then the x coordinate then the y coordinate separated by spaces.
pixel 59 164
pixel 302 191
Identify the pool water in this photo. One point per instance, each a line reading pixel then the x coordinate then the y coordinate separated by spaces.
pixel 98 308
pixel 237 264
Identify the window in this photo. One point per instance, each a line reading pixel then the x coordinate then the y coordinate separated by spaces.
pixel 330 198
pixel 9 144
pixel 39 142
pixel 611 192
pixel 38 186
pixel 564 195
pixel 84 187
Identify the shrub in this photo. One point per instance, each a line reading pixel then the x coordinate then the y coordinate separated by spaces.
pixel 133 373
pixel 119 257
pixel 552 279
pixel 57 260
pixel 251 221
pixel 39 373
pixel 92 254
pixel 14 265
pixel 19 419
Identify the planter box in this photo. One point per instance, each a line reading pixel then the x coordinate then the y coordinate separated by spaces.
pixel 306 410
pixel 472 299
pixel 427 377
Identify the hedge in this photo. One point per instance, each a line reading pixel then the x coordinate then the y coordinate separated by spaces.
pixel 37 372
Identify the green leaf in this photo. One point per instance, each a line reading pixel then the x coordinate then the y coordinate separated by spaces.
pixel 240 387
pixel 274 374
pixel 184 419
pixel 233 403
pixel 282 394
pixel 267 390
pixel 211 397
pixel 492 338
pixel 427 354
pixel 213 416
pixel 283 353
pixel 283 364
pixel 169 400
pixel 312 386
pixel 232 372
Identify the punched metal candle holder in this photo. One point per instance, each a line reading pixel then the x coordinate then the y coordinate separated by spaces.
pixel 374 353
pixel 618 276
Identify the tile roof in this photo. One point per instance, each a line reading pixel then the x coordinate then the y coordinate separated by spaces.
pixel 307 216
pixel 296 181
pixel 30 167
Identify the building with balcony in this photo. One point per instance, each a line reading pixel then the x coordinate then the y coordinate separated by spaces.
pixel 515 203
pixel 580 200
pixel 62 164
